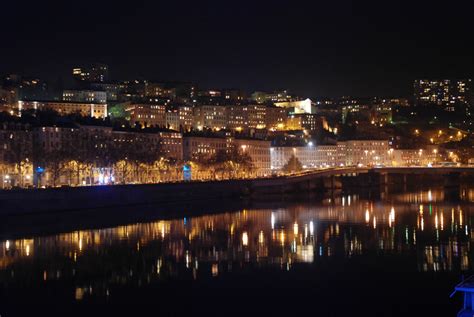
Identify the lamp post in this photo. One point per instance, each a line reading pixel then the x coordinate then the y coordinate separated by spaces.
pixel 6 180
pixel 390 156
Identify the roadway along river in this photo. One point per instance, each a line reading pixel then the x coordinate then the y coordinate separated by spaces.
pixel 344 256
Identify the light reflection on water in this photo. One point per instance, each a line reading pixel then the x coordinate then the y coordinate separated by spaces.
pixel 419 225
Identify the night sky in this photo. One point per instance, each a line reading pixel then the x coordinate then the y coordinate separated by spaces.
pixel 314 48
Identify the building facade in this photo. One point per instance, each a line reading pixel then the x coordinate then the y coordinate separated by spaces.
pixel 365 152
pixel 259 152
pixel 86 109
pixel 210 117
pixel 195 147
pixel 171 144
pixel 347 153
pixel 147 115
pixel 85 96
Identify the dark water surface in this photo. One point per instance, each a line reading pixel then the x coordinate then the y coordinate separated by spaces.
pixel 399 255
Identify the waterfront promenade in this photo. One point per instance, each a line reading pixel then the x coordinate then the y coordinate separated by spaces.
pixel 37 201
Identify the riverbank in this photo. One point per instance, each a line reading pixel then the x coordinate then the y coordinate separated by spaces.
pixel 54 200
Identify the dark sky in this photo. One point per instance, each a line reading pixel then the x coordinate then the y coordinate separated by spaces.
pixel 314 48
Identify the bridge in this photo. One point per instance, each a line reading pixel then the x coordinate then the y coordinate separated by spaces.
pixel 361 176
pixel 438 170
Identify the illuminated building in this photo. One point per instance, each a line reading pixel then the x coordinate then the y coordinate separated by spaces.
pixel 259 152
pixel 172 120
pixel 199 146
pixel 242 117
pixel 446 92
pixel 275 117
pixel 365 152
pixel 147 114
pixel 237 118
pixel 16 150
pixel 91 74
pixel 313 122
pixel 276 96
pixel 356 107
pixel 299 106
pixel 414 157
pixel 49 141
pixel 186 116
pixel 85 96
pixel 86 109
pixel 310 156
pixel 159 90
pixel 171 144
pixel 328 156
pixel 179 118
pixel 280 156
pixel 381 114
pixel 293 123
pixel 196 147
pixel 210 117
pixel 256 116
pixel 306 121
pixel 350 153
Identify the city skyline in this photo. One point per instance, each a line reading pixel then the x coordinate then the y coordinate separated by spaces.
pixel 251 158
pixel 330 50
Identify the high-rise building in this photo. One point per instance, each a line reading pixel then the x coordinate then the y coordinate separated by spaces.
pixel 447 93
pixel 91 74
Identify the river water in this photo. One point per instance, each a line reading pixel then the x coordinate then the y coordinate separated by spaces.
pixel 346 255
